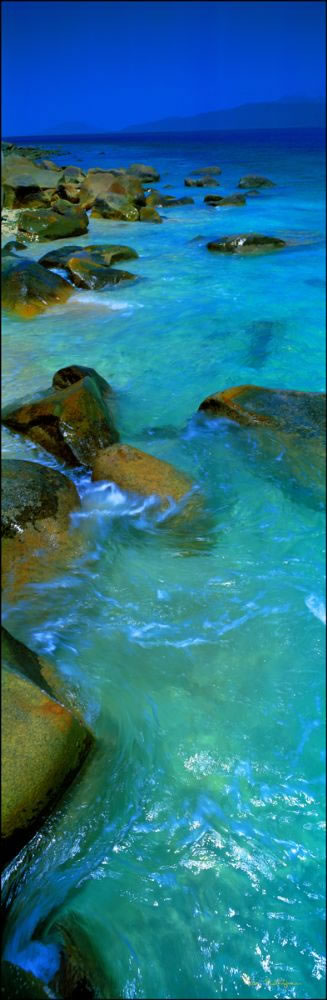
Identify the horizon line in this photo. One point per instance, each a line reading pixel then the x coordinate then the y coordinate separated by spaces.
pixel 124 132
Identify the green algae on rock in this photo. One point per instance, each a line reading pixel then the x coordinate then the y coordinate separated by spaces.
pixel 71 423
pixel 245 243
pixel 43 747
pixel 27 289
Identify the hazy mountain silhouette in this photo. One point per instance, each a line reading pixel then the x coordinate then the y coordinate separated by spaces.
pixel 288 112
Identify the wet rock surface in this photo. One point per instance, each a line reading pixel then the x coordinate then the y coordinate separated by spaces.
pixel 136 471
pixel 246 243
pixel 231 199
pixel 206 181
pixel 255 181
pixel 72 423
pixel 48 224
pixel 43 749
pixel 28 289
pixel 17 984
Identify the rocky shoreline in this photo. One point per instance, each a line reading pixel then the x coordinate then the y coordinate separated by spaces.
pixel 46 742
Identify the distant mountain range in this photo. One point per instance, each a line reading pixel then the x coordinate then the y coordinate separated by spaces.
pixel 286 113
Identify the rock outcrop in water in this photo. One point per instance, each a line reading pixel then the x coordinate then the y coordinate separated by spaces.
pixel 290 435
pixel 230 199
pixel 136 471
pixel 104 253
pixel 43 748
pixel 255 181
pixel 72 423
pixel 28 290
pixel 145 173
pixel 206 171
pixel 246 243
pixel 206 181
pixel 36 505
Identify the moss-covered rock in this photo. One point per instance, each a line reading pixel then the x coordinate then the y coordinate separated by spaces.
pixel 28 289
pixel 47 224
pixel 43 747
pixel 72 423
pixel 136 471
pixel 37 504
pixel 246 243
pixel 255 181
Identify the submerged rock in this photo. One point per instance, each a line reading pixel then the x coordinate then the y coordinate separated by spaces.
pixel 231 199
pixel 35 522
pixel 245 243
pixel 43 747
pixel 136 471
pixel 255 181
pixel 288 440
pixel 168 201
pixel 72 423
pixel 27 289
pixel 48 224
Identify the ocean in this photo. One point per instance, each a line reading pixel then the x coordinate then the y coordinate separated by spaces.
pixel 191 848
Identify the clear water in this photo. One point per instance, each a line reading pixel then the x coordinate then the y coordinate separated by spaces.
pixel 192 845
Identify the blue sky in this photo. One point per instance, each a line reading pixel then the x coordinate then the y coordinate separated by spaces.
pixel 101 66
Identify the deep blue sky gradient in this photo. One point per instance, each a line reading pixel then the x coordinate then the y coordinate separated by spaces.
pixel 100 66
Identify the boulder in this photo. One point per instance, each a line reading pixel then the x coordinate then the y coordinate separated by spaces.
pixel 72 423
pixel 206 171
pixel 87 272
pixel 101 183
pixel 285 437
pixel 201 182
pixel 115 206
pixel 149 214
pixel 35 522
pixel 231 199
pixel 245 243
pixel 70 192
pixel 103 253
pixel 18 658
pixel 44 224
pixel 43 748
pixel 284 409
pixel 138 472
pixel 64 207
pixel 73 175
pixel 254 181
pixel 21 179
pixel 28 289
pixel 17 984
pixel 144 173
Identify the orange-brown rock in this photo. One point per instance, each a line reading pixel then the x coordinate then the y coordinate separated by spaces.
pixel 136 471
pixel 288 409
pixel 72 423
pixel 28 290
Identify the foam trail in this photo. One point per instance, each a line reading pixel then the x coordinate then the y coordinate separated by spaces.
pixel 316 607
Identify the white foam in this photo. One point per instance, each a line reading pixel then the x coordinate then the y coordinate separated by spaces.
pixel 317 607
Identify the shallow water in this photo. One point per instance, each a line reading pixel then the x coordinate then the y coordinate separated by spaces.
pixel 192 844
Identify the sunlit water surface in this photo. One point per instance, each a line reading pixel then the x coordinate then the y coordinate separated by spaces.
pixel 191 847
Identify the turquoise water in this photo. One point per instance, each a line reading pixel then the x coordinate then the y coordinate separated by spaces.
pixel 191 847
